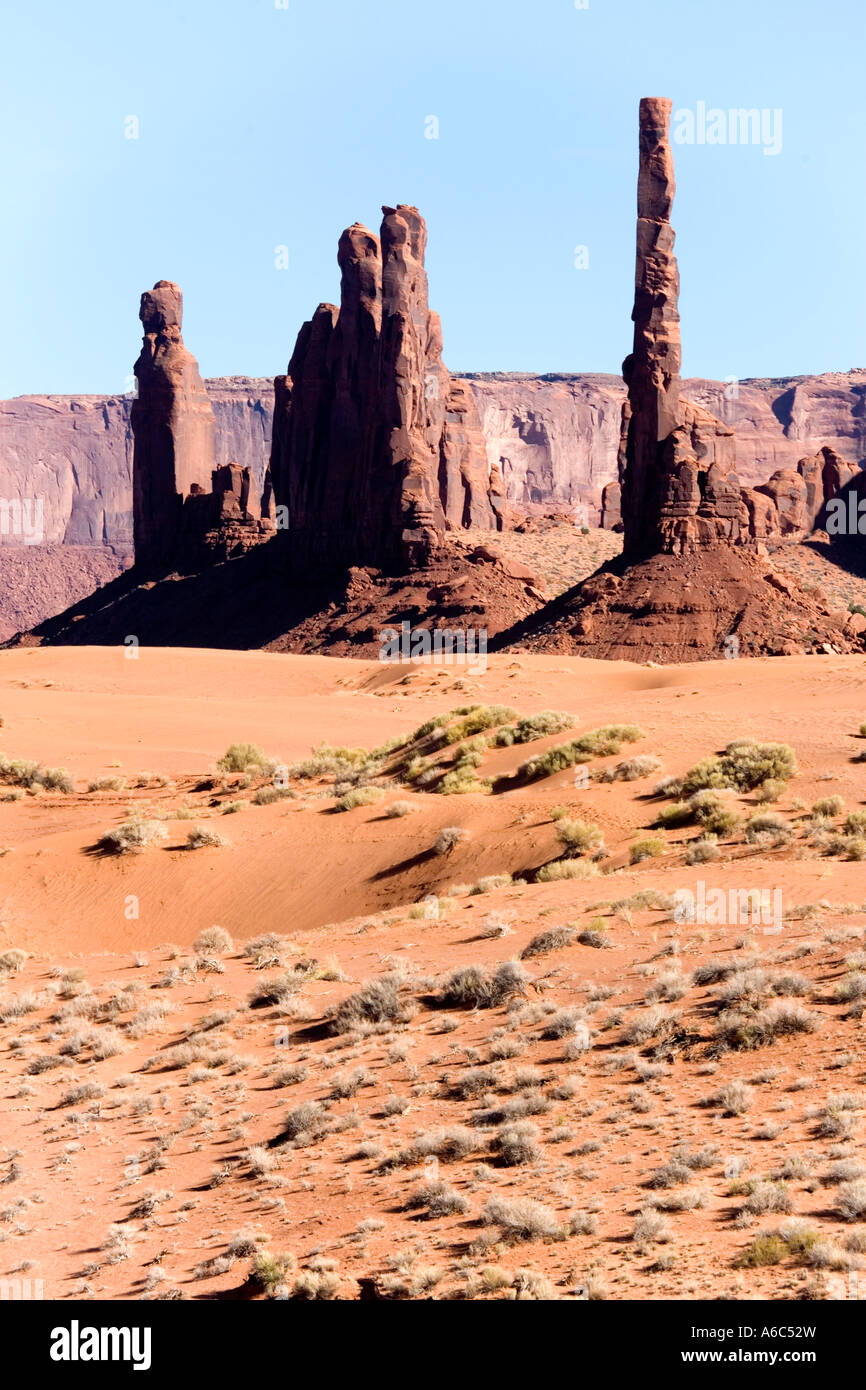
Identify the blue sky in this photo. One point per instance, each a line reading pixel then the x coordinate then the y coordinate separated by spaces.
pixel 262 127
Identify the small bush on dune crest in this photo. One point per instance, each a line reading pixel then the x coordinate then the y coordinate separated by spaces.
pixel 477 719
pixel 398 809
pixel 535 726
pixel 599 743
pixel 132 837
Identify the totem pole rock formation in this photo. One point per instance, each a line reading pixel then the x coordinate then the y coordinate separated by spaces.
pixel 692 583
pixel 679 491
pixel 185 512
pixel 376 452
pixel 174 428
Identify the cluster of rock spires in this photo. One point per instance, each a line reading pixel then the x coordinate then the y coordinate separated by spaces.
pixel 376 451
pixel 378 455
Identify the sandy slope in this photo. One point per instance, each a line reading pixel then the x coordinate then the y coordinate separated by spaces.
pixel 342 885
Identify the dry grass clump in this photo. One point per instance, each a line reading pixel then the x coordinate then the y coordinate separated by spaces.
pixel 516 1144
pixel 439 1199
pixel 200 837
pixel 768 826
pixel 650 848
pixel 577 838
pixel 213 939
pixel 20 772
pixel 132 837
pixel 478 987
pixel 398 809
pixel 851 1200
pixel 519 1218
pixel 360 796
pixel 562 869
pixel 378 1001
pixel 734 1098
pixel 449 838
pixel 244 757
pixel 631 769
pixel 554 939
pixel 745 1031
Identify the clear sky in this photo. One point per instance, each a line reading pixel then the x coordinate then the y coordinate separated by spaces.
pixel 262 126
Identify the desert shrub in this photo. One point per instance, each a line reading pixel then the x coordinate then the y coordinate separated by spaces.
pixel 564 1023
pixel 360 796
pixel 271 1271
pixel 378 1001
pixel 522 1219
pixel 490 884
pixel 439 1198
pixel 851 846
pixel 132 837
pixel 566 869
pixel 516 1144
pixel 531 727
pixel 651 848
pixel 241 756
pixel 202 838
pixel 215 939
pixel 398 809
pixel 339 763
pixel 21 772
pixel 764 1197
pixel 735 1097
pixel 829 806
pixel 764 1250
pixel 855 823
pixel 307 1119
pixel 12 962
pixel 702 852
pixel 631 770
pixel 768 824
pixel 107 784
pixel 449 838
pixel 554 939
pixel 476 719
pixel 576 837
pixel 780 1019
pixel 266 796
pixel 477 987
pixel 851 1201
pixel 599 743
pixel 744 765
pixel 650 1228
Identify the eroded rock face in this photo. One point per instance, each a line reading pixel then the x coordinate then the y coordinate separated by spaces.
pixel 376 452
pixel 174 428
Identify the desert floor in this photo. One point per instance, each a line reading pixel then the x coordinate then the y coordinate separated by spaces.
pixel 182 1122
